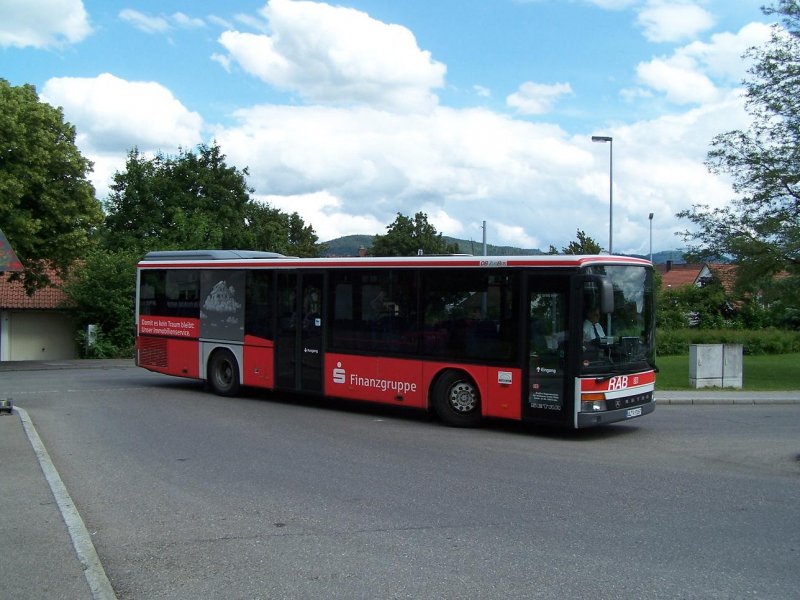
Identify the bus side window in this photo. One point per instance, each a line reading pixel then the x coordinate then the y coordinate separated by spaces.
pixel 258 311
pixel 548 323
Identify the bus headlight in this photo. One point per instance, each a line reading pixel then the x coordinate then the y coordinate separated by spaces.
pixel 593 403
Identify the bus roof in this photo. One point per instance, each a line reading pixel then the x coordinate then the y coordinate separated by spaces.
pixel 247 258
pixel 171 255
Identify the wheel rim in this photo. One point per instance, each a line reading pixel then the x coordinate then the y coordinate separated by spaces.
pixel 463 397
pixel 225 374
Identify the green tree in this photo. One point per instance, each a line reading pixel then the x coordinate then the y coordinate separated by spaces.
pixel 706 307
pixel 195 200
pixel 407 236
pixel 303 241
pixel 268 228
pixel 191 201
pixel 760 228
pixel 48 209
pixel 188 201
pixel 101 290
pixel 582 245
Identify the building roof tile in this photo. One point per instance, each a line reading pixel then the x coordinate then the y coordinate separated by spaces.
pixel 725 273
pixel 13 295
pixel 673 276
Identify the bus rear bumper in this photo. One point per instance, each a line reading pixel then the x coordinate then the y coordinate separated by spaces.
pixel 613 416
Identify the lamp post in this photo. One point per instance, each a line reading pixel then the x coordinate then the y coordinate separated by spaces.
pixel 651 236
pixel 603 139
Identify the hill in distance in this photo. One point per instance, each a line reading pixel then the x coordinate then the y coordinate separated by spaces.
pixel 349 245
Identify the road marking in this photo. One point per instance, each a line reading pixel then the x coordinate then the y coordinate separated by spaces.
pixel 81 540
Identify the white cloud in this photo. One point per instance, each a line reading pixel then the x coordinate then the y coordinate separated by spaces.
pixel 376 142
pixel 110 111
pixel 160 23
pixel 113 115
pixel 722 56
pixel 516 235
pixel 219 22
pixel 350 170
pixel 252 22
pixel 658 167
pixel 43 23
pixel 613 4
pixel 678 79
pixel 187 22
pixel 325 211
pixel 338 56
pixel 443 221
pixel 701 71
pixel 353 169
pixel 144 22
pixel 668 21
pixel 223 59
pixel 537 98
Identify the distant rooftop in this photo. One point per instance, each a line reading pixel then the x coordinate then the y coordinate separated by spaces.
pixel 13 296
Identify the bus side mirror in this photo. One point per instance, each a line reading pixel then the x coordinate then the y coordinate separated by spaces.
pixel 606 296
pixel 605 292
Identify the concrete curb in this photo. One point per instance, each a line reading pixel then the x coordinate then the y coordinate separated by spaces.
pixel 722 401
pixel 50 365
pixel 93 570
pixel 701 398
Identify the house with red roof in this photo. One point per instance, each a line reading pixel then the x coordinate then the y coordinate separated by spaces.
pixel 675 276
pixel 680 275
pixel 34 327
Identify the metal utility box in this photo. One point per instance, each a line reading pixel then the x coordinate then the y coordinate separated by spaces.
pixel 715 365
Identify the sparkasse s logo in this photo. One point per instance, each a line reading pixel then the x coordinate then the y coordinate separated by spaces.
pixel 339 374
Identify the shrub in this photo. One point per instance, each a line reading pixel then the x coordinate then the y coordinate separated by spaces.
pixel 102 347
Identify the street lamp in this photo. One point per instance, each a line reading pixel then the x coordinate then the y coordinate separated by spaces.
pixel 603 139
pixel 651 236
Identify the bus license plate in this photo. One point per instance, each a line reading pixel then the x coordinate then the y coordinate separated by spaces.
pixel 633 412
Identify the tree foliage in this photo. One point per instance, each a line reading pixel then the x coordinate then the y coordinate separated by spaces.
pixel 195 200
pixel 48 209
pixel 190 201
pixel 760 228
pixel 271 229
pixel 101 290
pixel 710 306
pixel 705 307
pixel 407 236
pixel 583 244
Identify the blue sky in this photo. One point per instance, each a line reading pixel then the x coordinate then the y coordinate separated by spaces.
pixel 469 110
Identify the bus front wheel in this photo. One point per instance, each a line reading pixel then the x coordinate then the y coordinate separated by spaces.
pixel 456 400
pixel 223 373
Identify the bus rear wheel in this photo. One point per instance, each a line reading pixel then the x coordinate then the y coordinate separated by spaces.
pixel 456 400
pixel 223 373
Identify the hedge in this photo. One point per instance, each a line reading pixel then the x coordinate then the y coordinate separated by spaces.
pixel 760 341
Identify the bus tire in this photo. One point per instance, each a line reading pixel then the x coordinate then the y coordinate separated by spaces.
pixel 456 399
pixel 223 373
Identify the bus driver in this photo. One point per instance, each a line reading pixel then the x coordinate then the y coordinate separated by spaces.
pixel 592 330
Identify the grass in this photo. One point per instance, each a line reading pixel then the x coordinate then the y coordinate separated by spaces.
pixel 773 372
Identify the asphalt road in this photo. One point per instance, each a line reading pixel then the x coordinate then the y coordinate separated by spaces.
pixel 187 495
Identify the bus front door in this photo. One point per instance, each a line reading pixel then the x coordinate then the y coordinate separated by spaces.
pixel 548 349
pixel 298 343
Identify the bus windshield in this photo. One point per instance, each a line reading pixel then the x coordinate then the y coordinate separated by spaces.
pixel 622 340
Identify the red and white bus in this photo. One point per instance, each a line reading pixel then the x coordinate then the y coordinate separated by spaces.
pixel 466 337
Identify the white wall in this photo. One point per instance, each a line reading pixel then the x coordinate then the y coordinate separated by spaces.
pixel 36 335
